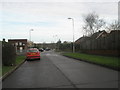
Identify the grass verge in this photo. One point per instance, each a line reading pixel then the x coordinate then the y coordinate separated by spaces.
pixel 19 60
pixel 102 60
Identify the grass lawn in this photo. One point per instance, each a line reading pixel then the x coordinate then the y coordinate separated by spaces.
pixel 19 60
pixel 104 60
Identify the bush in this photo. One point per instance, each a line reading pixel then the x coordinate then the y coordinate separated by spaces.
pixel 8 54
pixel 65 46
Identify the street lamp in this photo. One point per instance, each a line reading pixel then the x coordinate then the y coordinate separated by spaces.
pixel 73 34
pixel 30 34
pixel 55 36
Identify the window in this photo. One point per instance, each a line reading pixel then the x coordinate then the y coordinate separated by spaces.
pixel 20 43
pixel 16 43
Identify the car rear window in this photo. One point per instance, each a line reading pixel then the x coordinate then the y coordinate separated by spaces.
pixel 32 51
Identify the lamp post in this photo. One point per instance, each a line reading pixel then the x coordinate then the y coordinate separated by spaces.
pixel 30 34
pixel 30 37
pixel 55 36
pixel 73 34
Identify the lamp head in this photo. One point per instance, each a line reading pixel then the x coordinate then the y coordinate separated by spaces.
pixel 31 29
pixel 69 18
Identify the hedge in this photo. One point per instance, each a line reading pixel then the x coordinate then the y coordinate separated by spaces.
pixel 8 54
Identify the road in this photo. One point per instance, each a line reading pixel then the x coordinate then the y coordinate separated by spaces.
pixel 56 71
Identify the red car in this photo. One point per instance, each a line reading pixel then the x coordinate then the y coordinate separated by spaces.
pixel 33 53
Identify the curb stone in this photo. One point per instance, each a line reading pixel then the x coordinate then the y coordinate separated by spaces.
pixel 11 71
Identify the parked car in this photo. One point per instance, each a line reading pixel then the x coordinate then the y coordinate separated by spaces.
pixel 33 53
pixel 41 49
pixel 47 49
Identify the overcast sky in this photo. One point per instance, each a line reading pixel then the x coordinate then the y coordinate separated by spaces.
pixel 48 18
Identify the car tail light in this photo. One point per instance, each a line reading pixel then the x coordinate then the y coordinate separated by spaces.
pixel 37 53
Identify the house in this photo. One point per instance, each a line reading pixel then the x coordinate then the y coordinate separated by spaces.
pixel 98 34
pixel 20 44
pixel 102 34
pixel 82 39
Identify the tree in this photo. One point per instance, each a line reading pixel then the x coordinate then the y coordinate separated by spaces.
pixel 58 44
pixel 59 41
pixel 92 23
pixel 115 25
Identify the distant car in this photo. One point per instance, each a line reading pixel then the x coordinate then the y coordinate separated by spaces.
pixel 33 53
pixel 41 49
pixel 47 49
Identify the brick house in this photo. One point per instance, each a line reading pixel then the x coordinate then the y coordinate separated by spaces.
pixel 20 44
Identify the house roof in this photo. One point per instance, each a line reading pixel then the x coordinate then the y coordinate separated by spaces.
pixel 94 36
pixel 103 32
pixel 17 40
pixel 81 39
pixel 115 31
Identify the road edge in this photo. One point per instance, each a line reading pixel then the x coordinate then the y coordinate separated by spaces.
pixel 11 71
pixel 113 68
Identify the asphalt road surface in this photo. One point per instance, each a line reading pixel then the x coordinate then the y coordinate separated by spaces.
pixel 56 71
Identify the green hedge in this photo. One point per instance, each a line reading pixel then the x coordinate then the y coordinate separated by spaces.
pixel 8 54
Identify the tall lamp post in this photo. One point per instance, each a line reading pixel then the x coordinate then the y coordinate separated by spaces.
pixel 73 34
pixel 30 37
pixel 30 34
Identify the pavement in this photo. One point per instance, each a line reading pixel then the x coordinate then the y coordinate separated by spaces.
pixel 56 71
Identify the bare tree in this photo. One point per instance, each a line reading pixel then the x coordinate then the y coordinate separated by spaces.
pixel 114 26
pixel 92 23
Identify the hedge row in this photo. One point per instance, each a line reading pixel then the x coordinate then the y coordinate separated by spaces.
pixel 8 54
